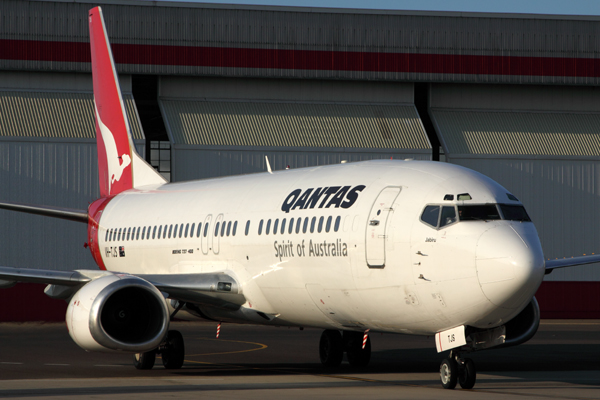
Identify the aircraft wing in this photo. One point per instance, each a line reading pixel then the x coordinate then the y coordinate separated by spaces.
pixel 215 289
pixel 48 211
pixel 551 265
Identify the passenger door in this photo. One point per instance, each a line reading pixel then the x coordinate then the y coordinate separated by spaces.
pixel 377 226
pixel 206 233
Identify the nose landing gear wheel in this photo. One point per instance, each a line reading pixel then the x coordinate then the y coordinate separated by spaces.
pixel 449 373
pixel 173 351
pixel 467 375
pixel 331 349
pixel 144 360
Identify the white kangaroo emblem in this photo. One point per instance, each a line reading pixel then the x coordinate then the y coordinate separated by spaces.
pixel 115 164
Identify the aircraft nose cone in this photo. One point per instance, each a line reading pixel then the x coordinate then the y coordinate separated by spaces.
pixel 510 264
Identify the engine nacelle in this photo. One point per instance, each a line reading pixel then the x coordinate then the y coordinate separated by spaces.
pixel 516 331
pixel 522 327
pixel 118 313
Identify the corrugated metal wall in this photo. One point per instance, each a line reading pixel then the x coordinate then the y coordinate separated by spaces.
pixel 334 126
pixel 55 105
pixel 56 173
pixel 542 145
pixel 48 157
pixel 227 126
pixel 225 40
pixel 193 163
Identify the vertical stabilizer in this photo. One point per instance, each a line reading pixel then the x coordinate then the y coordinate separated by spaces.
pixel 119 166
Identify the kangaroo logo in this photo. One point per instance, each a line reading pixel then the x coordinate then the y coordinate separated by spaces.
pixel 116 164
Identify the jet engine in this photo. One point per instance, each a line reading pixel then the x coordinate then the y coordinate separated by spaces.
pixel 118 313
pixel 522 327
pixel 516 331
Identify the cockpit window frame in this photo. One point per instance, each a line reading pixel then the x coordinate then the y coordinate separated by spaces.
pixel 441 207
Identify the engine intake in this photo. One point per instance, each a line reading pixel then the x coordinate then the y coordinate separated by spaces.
pixel 524 326
pixel 118 313
pixel 516 331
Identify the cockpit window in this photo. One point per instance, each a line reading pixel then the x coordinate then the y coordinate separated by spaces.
pixel 430 215
pixel 448 216
pixel 479 212
pixel 514 213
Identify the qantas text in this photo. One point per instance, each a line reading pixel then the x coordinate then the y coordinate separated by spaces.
pixel 337 196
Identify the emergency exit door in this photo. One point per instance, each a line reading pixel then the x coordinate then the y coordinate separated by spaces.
pixel 377 226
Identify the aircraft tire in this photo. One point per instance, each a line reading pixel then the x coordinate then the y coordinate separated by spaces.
pixel 468 375
pixel 357 356
pixel 449 373
pixel 331 349
pixel 173 351
pixel 144 360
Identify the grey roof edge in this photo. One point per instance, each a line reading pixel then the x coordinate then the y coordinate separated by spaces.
pixel 180 146
pixel 530 157
pixel 57 140
pixel 326 10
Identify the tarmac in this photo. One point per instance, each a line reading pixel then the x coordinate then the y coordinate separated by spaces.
pixel 253 362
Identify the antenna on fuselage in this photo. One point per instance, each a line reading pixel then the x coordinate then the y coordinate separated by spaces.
pixel 268 165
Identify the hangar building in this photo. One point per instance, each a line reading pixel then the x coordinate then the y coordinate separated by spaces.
pixel 212 89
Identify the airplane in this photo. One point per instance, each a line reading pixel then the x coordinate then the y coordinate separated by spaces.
pixel 390 246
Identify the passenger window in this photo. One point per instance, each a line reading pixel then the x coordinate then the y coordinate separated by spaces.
pixel 159 230
pixel 430 215
pixel 305 225
pixel 154 232
pixel 259 226
pixel 143 233
pixel 275 224
pixel 247 228
pixel 291 228
pixel 199 229
pixel 312 224
pixel 228 227
pixel 268 227
pixel 328 226
pixel 170 230
pixel 338 219
pixel 320 228
pixel 234 228
pixel 448 216
pixel 283 226
pixel 206 229
pixel 187 227
pixel 148 232
pixel 223 228
pixel 217 229
pixel 192 229
pixel 180 230
pixel 137 233
pixel 119 235
pixel 106 236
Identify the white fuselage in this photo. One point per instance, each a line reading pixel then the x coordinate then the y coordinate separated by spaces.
pixel 380 268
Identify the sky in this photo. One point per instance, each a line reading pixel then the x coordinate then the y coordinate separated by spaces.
pixel 566 7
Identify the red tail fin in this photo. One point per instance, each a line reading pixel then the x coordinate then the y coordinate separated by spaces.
pixel 119 166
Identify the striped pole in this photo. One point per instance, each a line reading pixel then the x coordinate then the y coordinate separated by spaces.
pixel 365 337
pixel 218 330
